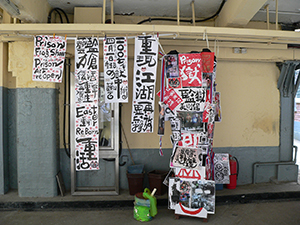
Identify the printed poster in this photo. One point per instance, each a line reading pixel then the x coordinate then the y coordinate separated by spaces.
pixel 189 173
pixel 184 157
pixel 115 69
pixel 217 102
pixel 144 78
pixel 190 69
pixel 86 103
pixel 194 139
pixel 222 168
pixel 192 197
pixel 48 58
pixel 171 98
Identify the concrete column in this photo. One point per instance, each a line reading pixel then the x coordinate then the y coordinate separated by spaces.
pixel 4 181
pixel 37 151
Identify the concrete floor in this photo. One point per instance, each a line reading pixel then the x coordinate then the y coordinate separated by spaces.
pixel 267 203
pixel 287 212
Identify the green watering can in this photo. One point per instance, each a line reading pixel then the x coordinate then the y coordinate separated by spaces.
pixel 144 213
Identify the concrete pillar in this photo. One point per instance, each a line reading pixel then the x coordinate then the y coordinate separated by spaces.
pixel 36 142
pixel 4 181
pixel 34 128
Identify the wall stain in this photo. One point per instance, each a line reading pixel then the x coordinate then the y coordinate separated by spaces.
pixel 266 124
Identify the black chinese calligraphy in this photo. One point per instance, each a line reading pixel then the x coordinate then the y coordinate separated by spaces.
pixel 189 158
pixel 86 103
pixel 115 69
pixel 48 59
pixel 145 65
pixel 193 99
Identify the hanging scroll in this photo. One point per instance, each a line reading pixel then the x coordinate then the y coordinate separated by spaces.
pixel 86 103
pixel 145 64
pixel 115 69
pixel 48 58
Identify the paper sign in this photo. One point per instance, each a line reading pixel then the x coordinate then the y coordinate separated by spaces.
pixel 86 103
pixel 115 69
pixel 144 77
pixel 189 158
pixel 207 62
pixel 222 168
pixel 48 58
pixel 190 70
pixel 193 99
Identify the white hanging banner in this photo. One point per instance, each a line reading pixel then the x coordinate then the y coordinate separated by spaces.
pixel 86 103
pixel 115 69
pixel 144 78
pixel 48 58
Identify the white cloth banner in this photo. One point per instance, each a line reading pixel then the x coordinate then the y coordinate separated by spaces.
pixel 86 103
pixel 115 69
pixel 48 58
pixel 144 78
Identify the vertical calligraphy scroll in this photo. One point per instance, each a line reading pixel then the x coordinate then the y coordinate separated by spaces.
pixel 48 58
pixel 115 69
pixel 145 64
pixel 86 103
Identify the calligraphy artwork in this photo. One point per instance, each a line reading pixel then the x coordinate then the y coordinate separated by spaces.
pixel 115 69
pixel 145 64
pixel 86 103
pixel 222 168
pixel 190 69
pixel 193 99
pixel 183 157
pixel 48 58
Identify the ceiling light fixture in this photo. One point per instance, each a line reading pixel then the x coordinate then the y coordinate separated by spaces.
pixel 10 8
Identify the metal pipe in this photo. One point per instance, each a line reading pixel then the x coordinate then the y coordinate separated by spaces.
pixel 112 11
pixel 276 15
pixel 257 164
pixel 103 12
pixel 268 16
pixel 193 12
pixel 178 13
